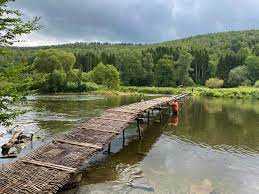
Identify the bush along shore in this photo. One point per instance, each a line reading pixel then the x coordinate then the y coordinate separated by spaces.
pixel 240 92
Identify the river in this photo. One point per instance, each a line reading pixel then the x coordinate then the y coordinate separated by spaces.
pixel 211 147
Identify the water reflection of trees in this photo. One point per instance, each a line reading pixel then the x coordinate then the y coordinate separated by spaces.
pixel 221 122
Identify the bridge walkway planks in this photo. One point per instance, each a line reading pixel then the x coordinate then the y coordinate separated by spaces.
pixel 50 167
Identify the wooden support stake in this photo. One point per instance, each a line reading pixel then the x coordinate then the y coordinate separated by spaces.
pixel 160 116
pixel 139 130
pixel 123 138
pixel 79 144
pixel 51 165
pixel 109 148
pixel 148 117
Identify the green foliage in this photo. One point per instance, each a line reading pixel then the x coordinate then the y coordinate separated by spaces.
pixel 227 62
pixel 256 49
pixel 13 25
pixel 46 61
pixel 238 76
pixel 106 75
pixel 256 85
pixel 214 83
pixel 252 64
pixel 83 87
pixel 12 81
pixel 164 72
pixel 241 92
pixel 56 81
pixel 200 65
pixel 183 68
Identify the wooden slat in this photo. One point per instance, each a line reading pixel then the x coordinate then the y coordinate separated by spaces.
pixel 102 130
pixel 89 145
pixel 111 119
pixel 121 111
pixel 51 165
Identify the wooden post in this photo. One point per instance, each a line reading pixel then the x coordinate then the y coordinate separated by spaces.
pixel 109 149
pixel 139 130
pixel 123 138
pixel 160 115
pixel 148 117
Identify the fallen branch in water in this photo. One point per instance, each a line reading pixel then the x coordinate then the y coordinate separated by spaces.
pixel 14 140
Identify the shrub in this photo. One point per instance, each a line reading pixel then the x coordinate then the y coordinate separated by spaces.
pixel 237 76
pixel 83 87
pixel 56 81
pixel 214 83
pixel 106 75
pixel 256 84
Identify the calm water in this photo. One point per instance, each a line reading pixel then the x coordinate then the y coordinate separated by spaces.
pixel 212 147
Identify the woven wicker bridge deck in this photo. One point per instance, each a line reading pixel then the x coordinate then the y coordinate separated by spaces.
pixel 50 167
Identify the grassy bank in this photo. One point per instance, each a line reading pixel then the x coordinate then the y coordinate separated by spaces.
pixel 240 92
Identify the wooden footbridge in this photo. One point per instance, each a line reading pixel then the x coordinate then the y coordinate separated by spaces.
pixel 50 167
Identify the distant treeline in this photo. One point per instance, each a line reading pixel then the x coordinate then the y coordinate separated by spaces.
pixel 230 58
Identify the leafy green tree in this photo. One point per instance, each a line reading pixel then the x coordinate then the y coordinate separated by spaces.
pixel 164 72
pixel 200 65
pixel 238 76
pixel 56 81
pixel 256 50
pixel 46 61
pixel 51 65
pixel 106 75
pixel 148 65
pixel 252 64
pixel 11 26
pixel 227 61
pixel 183 68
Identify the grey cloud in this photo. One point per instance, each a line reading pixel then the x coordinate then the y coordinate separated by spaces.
pixel 138 20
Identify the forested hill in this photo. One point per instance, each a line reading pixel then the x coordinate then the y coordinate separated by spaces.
pixel 221 40
pixel 228 56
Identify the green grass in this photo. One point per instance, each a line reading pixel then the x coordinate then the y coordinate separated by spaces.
pixel 240 92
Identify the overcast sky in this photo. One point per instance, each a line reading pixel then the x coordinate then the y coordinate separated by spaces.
pixel 144 21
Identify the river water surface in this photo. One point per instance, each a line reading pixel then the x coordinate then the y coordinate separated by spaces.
pixel 212 147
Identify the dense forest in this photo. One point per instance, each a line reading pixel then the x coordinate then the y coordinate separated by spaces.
pixel 228 59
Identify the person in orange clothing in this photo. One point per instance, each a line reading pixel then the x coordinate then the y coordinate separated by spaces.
pixel 175 107
pixel 174 120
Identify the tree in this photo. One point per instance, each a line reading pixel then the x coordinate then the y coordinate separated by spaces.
pixel 106 75
pixel 200 65
pixel 228 61
pixel 52 67
pixel 56 81
pixel 252 64
pixel 256 50
pixel 238 76
pixel 148 65
pixel 11 26
pixel 164 72
pixel 183 68
pixel 46 61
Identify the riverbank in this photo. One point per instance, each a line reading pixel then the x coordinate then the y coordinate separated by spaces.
pixel 240 92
